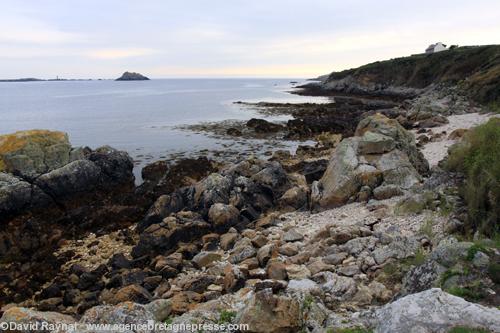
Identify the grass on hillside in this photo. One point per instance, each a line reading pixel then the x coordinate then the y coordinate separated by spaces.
pixel 478 158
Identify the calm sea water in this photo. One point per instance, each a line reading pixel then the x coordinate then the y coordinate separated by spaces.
pixel 136 116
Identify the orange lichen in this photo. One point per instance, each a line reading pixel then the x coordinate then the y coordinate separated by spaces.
pixel 10 143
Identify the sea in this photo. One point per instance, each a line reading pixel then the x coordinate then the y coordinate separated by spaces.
pixel 142 117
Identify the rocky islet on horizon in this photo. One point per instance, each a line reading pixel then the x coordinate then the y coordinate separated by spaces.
pixel 206 242
pixel 132 76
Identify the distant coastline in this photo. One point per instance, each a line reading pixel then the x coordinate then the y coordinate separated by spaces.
pixel 32 79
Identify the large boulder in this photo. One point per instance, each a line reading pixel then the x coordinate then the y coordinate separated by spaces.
pixel 16 317
pixel 126 313
pixel 162 237
pixel 381 153
pixel 17 195
pixel 403 139
pixel 268 313
pixel 433 311
pixel 34 152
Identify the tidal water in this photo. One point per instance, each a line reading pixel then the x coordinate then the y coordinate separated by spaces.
pixel 137 116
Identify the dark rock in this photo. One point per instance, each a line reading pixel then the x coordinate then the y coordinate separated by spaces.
pixel 233 132
pixel 152 282
pixel 234 278
pixel 118 261
pixel 155 171
pixel 131 76
pixel 133 293
pixel 86 281
pixel 159 238
pixel 263 126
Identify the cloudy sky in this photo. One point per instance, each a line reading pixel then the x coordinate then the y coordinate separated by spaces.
pixel 228 38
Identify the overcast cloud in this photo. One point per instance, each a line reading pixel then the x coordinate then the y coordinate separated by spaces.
pixel 200 38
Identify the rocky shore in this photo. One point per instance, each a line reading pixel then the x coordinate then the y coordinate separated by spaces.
pixel 362 232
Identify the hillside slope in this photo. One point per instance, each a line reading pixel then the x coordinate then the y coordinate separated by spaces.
pixel 475 69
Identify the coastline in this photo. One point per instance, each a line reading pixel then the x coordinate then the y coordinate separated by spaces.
pixel 347 232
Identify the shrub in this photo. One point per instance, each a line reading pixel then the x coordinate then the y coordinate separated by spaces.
pixel 471 252
pixel 226 316
pixel 462 329
pixel 494 272
pixel 426 228
pixel 471 294
pixel 478 158
pixel 349 330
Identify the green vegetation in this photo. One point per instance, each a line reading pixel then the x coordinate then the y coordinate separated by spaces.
pixel 416 260
pixel 349 330
pixel 471 252
pixel 494 272
pixel 493 107
pixel 476 69
pixel 478 158
pixel 446 275
pixel 226 316
pixel 462 329
pixel 426 228
pixel 472 293
pixel 169 320
pixel 308 300
pixel 394 271
pixel 445 208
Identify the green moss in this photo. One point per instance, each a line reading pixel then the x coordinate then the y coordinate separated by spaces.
pixel 169 320
pixel 462 329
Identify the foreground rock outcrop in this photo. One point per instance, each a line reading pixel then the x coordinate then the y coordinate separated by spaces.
pixel 434 311
pixel 29 154
pixel 205 243
pixel 381 160
pixel 51 192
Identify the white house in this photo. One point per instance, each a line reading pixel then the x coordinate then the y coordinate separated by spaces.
pixel 433 48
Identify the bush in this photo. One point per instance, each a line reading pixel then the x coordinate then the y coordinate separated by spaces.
pixel 462 329
pixel 478 158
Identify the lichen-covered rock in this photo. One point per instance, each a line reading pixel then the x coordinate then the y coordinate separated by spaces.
pixel 223 216
pixel 24 316
pixel 267 313
pixel 404 140
pixel 381 153
pixel 375 143
pixel 120 314
pixel 34 152
pixel 433 311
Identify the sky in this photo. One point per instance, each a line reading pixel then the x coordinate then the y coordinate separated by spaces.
pixel 230 38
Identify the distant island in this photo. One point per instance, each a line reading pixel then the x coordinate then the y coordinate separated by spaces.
pixel 131 76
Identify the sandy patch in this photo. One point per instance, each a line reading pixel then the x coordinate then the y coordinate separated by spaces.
pixel 436 151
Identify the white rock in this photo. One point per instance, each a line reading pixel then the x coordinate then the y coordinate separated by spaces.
pixel 434 311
